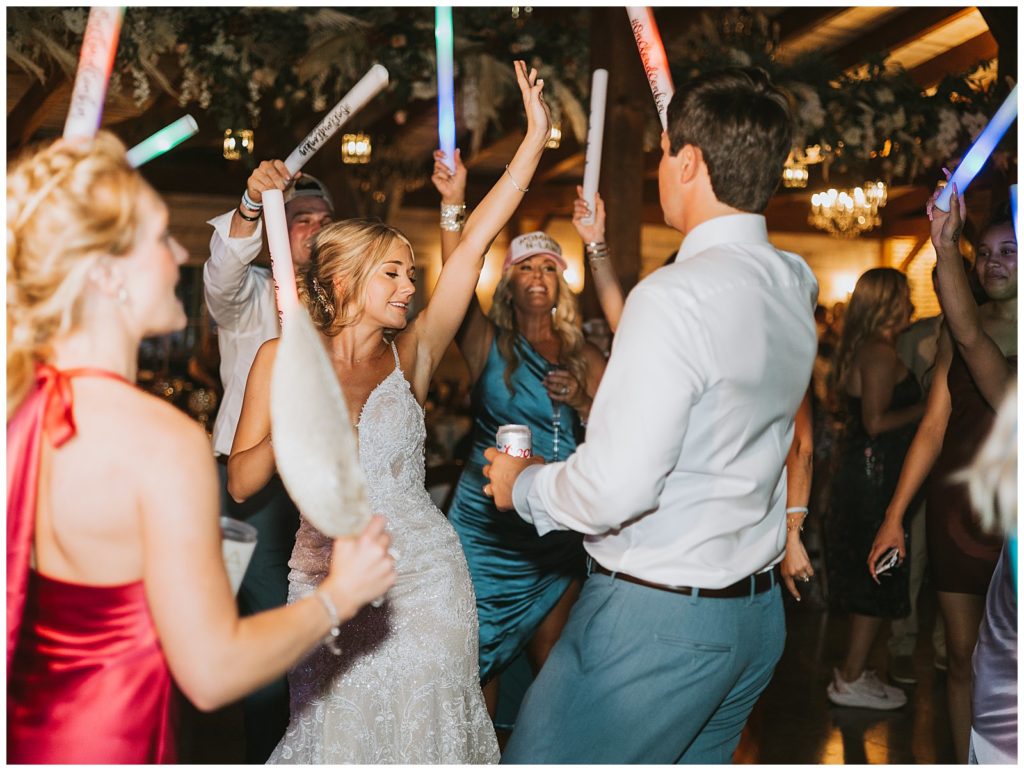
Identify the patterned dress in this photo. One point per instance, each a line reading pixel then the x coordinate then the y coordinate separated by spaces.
pixel 865 480
pixel 406 688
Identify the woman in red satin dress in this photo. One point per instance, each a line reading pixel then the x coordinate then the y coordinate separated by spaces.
pixel 115 581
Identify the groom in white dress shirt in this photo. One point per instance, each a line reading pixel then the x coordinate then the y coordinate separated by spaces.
pixel 680 487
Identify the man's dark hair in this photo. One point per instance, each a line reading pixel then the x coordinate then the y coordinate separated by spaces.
pixel 741 123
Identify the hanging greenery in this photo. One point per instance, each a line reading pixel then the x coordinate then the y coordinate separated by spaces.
pixel 234 63
pixel 875 121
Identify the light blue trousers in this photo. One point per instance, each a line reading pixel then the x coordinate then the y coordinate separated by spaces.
pixel 646 676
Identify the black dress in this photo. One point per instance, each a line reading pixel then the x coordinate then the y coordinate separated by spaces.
pixel 865 479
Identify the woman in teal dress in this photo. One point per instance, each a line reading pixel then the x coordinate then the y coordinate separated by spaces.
pixel 530 365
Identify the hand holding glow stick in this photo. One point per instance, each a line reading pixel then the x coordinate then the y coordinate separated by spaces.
pixel 165 139
pixel 980 151
pixel 99 47
pixel 652 55
pixel 280 252
pixel 371 84
pixel 320 468
pixel 595 139
pixel 443 36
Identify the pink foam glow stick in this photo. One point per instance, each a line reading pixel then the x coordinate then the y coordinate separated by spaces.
pixel 652 54
pixel 99 47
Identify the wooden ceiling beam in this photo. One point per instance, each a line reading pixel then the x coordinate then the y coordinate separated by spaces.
pixel 1002 23
pixel 794 22
pixel 32 109
pixel 905 27
pixel 978 49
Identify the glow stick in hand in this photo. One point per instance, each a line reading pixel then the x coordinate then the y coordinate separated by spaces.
pixel 320 468
pixel 99 47
pixel 980 151
pixel 595 138
pixel 371 84
pixel 652 55
pixel 280 252
pixel 443 36
pixel 165 139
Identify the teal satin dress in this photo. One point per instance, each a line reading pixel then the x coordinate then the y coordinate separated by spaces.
pixel 518 576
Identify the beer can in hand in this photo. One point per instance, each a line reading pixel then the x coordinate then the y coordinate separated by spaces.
pixel 515 440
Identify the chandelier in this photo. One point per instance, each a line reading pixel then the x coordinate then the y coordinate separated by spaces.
pixel 848 213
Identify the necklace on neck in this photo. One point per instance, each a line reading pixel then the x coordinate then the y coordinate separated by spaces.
pixel 373 355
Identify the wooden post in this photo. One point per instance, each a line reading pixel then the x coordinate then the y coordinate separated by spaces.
pixel 622 165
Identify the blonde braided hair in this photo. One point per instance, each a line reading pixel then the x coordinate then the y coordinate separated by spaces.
pixel 68 204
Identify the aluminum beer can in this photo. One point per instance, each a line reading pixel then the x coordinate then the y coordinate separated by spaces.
pixel 515 440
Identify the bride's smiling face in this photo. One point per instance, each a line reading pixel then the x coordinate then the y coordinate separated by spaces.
pixel 391 288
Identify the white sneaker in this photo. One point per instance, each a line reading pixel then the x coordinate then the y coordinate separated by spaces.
pixel 866 691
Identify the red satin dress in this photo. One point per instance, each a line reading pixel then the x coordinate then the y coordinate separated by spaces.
pixel 87 681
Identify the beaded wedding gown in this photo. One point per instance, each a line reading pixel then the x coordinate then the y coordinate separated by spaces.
pixel 405 688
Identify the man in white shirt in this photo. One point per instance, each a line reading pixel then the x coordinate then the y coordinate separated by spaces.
pixel 680 487
pixel 240 296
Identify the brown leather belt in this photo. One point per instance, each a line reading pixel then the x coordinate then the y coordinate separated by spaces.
pixel 762 583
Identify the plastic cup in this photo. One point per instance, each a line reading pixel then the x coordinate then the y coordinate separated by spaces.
pixel 237 545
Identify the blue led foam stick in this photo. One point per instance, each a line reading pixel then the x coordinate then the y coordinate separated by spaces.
pixel 165 139
pixel 980 151
pixel 445 83
pixel 1013 211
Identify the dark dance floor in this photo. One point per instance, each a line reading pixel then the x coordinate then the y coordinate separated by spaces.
pixel 793 722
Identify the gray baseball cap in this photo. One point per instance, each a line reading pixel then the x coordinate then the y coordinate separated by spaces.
pixel 308 185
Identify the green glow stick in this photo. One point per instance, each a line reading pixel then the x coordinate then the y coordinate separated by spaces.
pixel 165 139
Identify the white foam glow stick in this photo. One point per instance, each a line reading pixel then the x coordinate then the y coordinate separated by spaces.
pixel 314 442
pixel 99 47
pixel 280 252
pixel 652 55
pixel 980 151
pixel 371 84
pixel 595 139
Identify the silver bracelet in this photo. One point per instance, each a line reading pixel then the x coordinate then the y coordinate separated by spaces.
pixel 597 251
pixel 331 641
pixel 250 204
pixel 514 183
pixel 453 216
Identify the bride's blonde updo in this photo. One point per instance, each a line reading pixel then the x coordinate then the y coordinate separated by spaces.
pixel 342 260
pixel 68 204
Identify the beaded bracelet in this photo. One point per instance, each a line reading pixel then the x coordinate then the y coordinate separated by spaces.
pixel 453 216
pixel 596 251
pixel 331 641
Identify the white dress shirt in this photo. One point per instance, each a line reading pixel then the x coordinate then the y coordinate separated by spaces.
pixel 681 479
pixel 241 300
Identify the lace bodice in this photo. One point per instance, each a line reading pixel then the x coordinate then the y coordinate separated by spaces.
pixel 391 441
pixel 406 688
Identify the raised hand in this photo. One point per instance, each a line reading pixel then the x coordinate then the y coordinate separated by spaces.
pixel 594 232
pixel 538 116
pixel 452 187
pixel 946 227
pixel 269 175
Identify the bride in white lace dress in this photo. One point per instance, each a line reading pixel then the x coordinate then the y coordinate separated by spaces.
pixel 405 687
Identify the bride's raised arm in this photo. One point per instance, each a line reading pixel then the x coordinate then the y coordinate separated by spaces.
pixel 439 321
